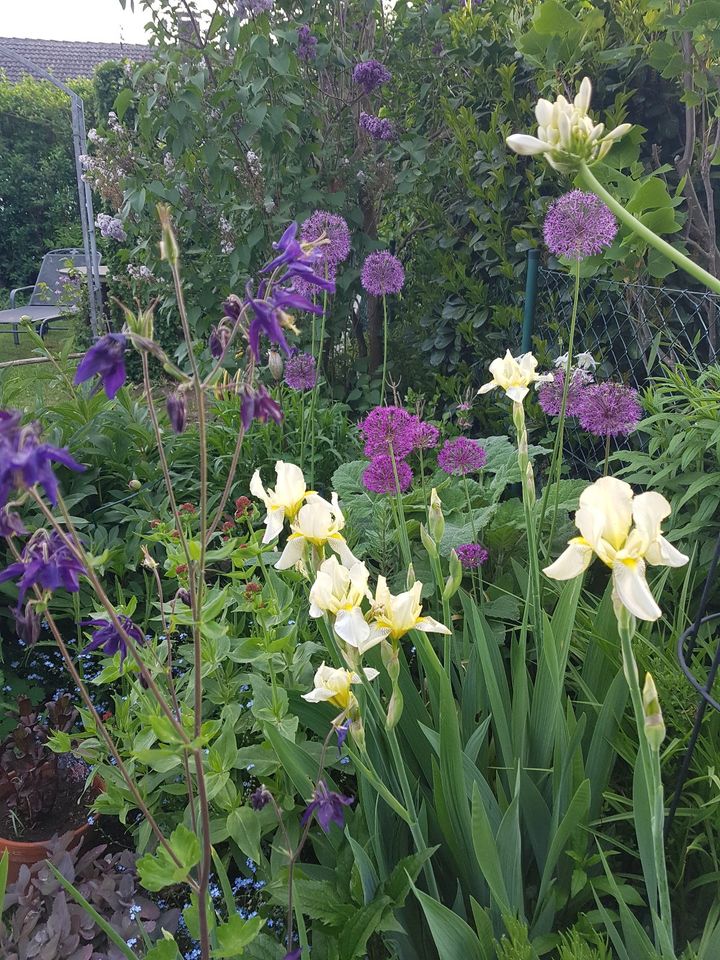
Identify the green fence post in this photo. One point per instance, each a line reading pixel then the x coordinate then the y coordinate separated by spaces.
pixel 531 281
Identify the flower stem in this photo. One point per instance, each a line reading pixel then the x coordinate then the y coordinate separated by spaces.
pixel 607 455
pixel 313 397
pixel 400 515
pixel 385 350
pixel 588 179
pixel 528 495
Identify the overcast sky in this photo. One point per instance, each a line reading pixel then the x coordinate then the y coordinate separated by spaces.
pixel 71 20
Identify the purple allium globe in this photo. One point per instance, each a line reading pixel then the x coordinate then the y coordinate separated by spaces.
pixel 301 372
pixel 378 128
pixel 379 475
pixel 382 273
pixel 550 393
pixel 310 291
pixel 371 74
pixel 426 436
pixel 388 430
pixel 609 409
pixel 471 555
pixel 334 229
pixel 462 456
pixel 307 44
pixel 578 225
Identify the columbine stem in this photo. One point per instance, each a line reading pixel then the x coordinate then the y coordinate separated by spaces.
pixel 588 180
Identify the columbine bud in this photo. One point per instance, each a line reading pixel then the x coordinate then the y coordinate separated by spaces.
pixel 218 341
pixel 275 364
pixel 183 595
pixel 169 249
pixel 436 520
pixel 134 484
pixel 452 584
pixel 654 723
pixel 177 411
pixel 27 624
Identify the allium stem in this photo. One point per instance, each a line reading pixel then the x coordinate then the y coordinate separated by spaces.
pixel 607 455
pixel 385 350
pixel 588 180
pixel 313 396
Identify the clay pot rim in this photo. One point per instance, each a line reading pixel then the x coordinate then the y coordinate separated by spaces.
pixel 26 846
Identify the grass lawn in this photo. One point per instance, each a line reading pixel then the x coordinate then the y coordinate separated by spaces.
pixel 25 385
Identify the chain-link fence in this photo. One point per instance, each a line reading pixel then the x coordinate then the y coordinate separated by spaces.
pixel 632 330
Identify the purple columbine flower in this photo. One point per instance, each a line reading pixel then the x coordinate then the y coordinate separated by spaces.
pixel 550 393
pixel 382 273
pixel 609 409
pixel 27 623
pixel 371 74
pixel 257 404
pixel 379 475
pixel 260 798
pixel 266 319
pixel 471 555
pixel 378 128
pixel 106 359
pixel 309 291
pixel 388 431
pixel 306 44
pixel 11 524
pixel 462 456
pixel 327 805
pixel 301 372
pixel 25 461
pixel 426 436
pixel 218 340
pixel 293 954
pixel 177 410
pixel 109 639
pixel 334 229
pixel 578 225
pixel 232 307
pixel 46 562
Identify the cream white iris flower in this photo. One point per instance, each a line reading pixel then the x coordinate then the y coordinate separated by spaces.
pixel 514 376
pixel 399 613
pixel 318 523
pixel 284 501
pixel 567 134
pixel 340 591
pixel 623 530
pixel 334 686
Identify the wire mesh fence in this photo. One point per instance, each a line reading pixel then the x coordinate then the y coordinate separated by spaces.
pixel 632 330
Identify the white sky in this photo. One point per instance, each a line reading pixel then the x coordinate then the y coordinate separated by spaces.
pixel 102 20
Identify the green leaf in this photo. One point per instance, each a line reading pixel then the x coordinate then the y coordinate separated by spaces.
pixel 353 939
pixel 699 14
pixel 123 101
pixel 166 949
pixel 235 935
pixel 486 851
pixel 453 938
pixel 159 870
pixel 244 827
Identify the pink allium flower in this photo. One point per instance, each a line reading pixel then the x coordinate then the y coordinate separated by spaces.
pixel 301 372
pixel 382 273
pixel 379 475
pixel 388 430
pixel 577 225
pixel 609 409
pixel 462 456
pixel 333 228
pixel 426 436
pixel 471 555
pixel 550 393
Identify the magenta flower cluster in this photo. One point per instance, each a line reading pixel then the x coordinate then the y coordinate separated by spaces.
pixel 578 225
pixel 550 394
pixel 471 555
pixel 378 128
pixel 608 409
pixel 462 456
pixel 371 74
pixel 301 371
pixel 391 434
pixel 382 273
pixel 332 228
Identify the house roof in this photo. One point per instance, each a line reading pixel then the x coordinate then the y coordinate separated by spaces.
pixel 64 59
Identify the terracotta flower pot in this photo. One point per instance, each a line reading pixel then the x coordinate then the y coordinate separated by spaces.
pixel 20 852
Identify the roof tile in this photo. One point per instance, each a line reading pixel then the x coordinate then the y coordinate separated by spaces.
pixel 65 59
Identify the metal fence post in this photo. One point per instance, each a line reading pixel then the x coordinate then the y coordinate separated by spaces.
pixel 531 282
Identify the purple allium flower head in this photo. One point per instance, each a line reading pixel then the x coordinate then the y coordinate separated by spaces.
pixel 333 228
pixel 471 555
pixel 609 409
pixel 577 225
pixel 260 798
pixel 550 393
pixel 379 128
pixel 309 290
pixel 177 411
pixel 371 74
pixel 461 456
pixel 25 461
pixel 382 273
pixel 426 436
pixel 11 524
pixel 257 404
pixel 388 430
pixel 327 805
pixel 110 227
pixel 301 372
pixel 106 359
pixel 379 475
pixel 111 640
pixel 46 562
pixel 307 44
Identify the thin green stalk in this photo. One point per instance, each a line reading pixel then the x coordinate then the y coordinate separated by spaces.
pixel 399 515
pixel 607 455
pixel 474 532
pixel 385 350
pixel 313 397
pixel 557 456
pixel 587 179
pixel 528 497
